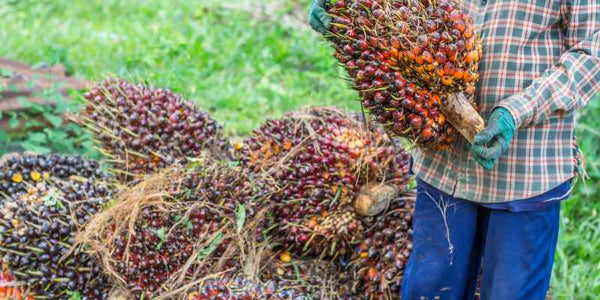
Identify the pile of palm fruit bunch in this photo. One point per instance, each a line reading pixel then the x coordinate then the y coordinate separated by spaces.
pixel 141 129
pixel 378 262
pixel 312 207
pixel 406 59
pixel 319 159
pixel 176 226
pixel 45 200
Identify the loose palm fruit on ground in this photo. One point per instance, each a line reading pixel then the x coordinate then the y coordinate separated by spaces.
pixel 311 277
pixel 178 222
pixel 239 289
pixel 39 219
pixel 404 58
pixel 142 129
pixel 379 260
pixel 318 159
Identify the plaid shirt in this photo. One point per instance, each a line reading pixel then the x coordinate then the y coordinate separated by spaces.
pixel 541 61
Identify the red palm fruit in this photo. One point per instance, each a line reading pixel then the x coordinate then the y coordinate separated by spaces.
pixel 460 25
pixel 380 259
pixel 426 39
pixel 319 159
pixel 440 57
pixel 148 249
pixel 449 68
pixel 142 129
pixel 427 57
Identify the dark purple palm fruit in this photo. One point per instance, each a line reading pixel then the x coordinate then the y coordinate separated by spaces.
pixel 378 262
pixel 183 228
pixel 404 57
pixel 142 129
pixel 319 159
pixel 46 200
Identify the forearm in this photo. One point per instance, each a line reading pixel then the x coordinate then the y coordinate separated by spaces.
pixel 568 85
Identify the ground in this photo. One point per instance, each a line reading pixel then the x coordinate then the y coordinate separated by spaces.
pixel 246 61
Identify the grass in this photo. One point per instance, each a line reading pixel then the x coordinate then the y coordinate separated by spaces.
pixel 245 61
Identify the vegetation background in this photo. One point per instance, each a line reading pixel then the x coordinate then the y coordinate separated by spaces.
pixel 244 61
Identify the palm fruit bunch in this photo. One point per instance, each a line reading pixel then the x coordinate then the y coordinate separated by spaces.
pixel 174 226
pixel 142 129
pixel 404 58
pixel 318 159
pixel 380 259
pixel 47 198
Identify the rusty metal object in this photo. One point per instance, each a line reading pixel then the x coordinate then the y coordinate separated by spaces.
pixel 26 82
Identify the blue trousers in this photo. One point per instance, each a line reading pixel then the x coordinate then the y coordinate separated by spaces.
pixel 454 241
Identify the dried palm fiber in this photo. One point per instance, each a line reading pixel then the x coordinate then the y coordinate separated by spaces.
pixel 177 226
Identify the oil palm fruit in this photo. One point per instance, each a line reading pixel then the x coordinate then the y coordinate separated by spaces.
pixel 405 57
pixel 142 129
pixel 178 222
pixel 47 198
pixel 379 260
pixel 318 159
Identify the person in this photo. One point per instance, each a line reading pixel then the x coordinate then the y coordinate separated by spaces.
pixel 487 214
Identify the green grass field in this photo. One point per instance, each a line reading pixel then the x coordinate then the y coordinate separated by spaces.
pixel 246 61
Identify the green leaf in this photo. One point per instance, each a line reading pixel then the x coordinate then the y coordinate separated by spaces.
pixel 6 73
pixel 162 234
pixel 233 164
pixel 241 217
pixel 29 146
pixel 74 295
pixel 55 120
pixel 24 103
pixel 32 123
pixel 205 252
pixel 13 122
pixel 52 198
pixel 4 137
pixel 37 137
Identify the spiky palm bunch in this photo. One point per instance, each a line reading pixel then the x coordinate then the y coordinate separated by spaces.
pixel 47 198
pixel 319 158
pixel 142 129
pixel 403 57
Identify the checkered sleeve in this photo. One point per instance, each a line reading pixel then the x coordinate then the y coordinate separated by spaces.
pixel 574 79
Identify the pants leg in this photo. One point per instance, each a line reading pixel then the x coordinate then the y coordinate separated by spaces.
pixel 444 262
pixel 519 253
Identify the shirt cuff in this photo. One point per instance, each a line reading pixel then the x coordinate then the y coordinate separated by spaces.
pixel 520 107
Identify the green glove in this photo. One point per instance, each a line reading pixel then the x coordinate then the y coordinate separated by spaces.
pixel 318 18
pixel 494 139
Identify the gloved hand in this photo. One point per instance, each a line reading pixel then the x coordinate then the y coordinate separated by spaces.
pixel 318 18
pixel 494 139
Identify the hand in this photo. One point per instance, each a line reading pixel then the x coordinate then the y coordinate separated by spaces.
pixel 494 139
pixel 318 18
